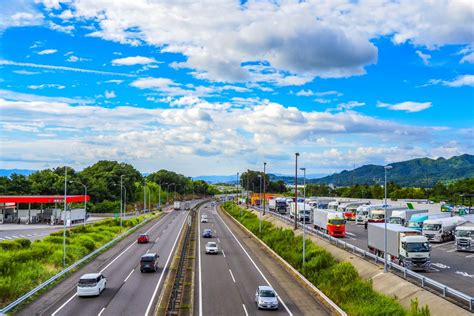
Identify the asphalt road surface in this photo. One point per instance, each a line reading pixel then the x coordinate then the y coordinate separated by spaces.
pixel 226 283
pixel 128 292
pixel 450 267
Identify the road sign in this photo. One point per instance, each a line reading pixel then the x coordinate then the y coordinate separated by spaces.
pixel 116 215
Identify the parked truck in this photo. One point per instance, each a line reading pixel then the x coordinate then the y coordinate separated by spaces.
pixel 405 246
pixel 304 211
pixel 377 215
pixel 363 212
pixel 75 215
pixel 177 205
pixel 329 221
pixel 277 205
pixel 464 235
pixel 402 217
pixel 416 221
pixel 349 209
pixel 441 229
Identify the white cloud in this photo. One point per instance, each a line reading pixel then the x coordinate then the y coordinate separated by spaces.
pixel 47 51
pixel 116 81
pixel 460 81
pixel 407 106
pixel 347 106
pixel 47 85
pixel 25 72
pixel 305 93
pixel 425 57
pixel 130 61
pixel 61 28
pixel 110 94
pixel 73 59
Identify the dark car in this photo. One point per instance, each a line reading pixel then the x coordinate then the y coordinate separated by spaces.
pixel 149 262
pixel 207 233
pixel 143 239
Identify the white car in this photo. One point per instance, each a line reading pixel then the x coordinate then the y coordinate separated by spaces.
pixel 204 218
pixel 91 284
pixel 266 297
pixel 211 248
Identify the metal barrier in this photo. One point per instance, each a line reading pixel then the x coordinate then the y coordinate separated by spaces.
pixel 443 290
pixel 71 267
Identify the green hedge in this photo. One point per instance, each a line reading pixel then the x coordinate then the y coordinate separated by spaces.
pixel 338 280
pixel 24 265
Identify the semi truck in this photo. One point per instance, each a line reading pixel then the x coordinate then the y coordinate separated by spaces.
pixel 304 212
pixel 329 221
pixel 277 205
pixel 377 215
pixel 349 209
pixel 416 221
pixel 363 212
pixel 177 205
pixel 464 235
pixel 441 229
pixel 402 217
pixel 405 246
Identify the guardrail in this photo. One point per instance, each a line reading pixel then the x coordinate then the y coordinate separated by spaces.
pixel 439 288
pixel 71 267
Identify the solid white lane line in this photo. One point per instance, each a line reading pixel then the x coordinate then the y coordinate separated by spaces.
pixel 434 269
pixel 117 257
pixel 148 309
pixel 156 240
pixel 245 310
pixel 62 306
pixel 101 311
pixel 199 266
pixel 223 253
pixel 148 250
pixel 254 264
pixel 233 279
pixel 128 276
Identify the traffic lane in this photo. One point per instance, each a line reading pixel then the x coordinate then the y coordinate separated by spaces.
pixel 115 271
pixel 137 292
pixel 220 296
pixel 253 272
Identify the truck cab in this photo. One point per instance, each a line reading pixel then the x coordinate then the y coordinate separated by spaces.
pixel 376 216
pixel 441 229
pixel 464 235
pixel 415 252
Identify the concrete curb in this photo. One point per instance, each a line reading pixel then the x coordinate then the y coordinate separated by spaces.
pixel 326 300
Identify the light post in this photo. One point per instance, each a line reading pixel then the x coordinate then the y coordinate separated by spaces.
pixel 64 217
pixel 385 266
pixel 144 197
pixel 238 182
pixel 85 196
pixel 260 217
pixel 296 190
pixel 304 211
pixel 248 187
pixel 168 191
pixel 121 201
pixel 125 201
pixel 264 188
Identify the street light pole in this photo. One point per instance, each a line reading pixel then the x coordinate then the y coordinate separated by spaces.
pixel 260 217
pixel 248 187
pixel 296 190
pixel 304 216
pixel 385 266
pixel 125 201
pixel 264 188
pixel 144 197
pixel 121 201
pixel 64 217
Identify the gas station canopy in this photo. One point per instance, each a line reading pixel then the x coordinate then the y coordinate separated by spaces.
pixel 42 198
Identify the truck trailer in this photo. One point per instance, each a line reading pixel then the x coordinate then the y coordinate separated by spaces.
pixel 441 229
pixel 277 205
pixel 402 217
pixel 416 221
pixel 405 246
pixel 177 205
pixel 304 211
pixel 464 235
pixel 329 221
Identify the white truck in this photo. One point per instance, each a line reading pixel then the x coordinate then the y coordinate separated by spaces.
pixel 441 229
pixel 402 217
pixel 329 221
pixel 177 205
pixel 304 211
pixel 75 215
pixel 363 212
pixel 405 246
pixel 277 205
pixel 464 234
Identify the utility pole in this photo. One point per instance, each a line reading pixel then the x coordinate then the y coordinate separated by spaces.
pixel 64 217
pixel 248 187
pixel 296 191
pixel 304 217
pixel 264 187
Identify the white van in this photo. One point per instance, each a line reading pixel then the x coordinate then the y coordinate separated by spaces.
pixel 91 284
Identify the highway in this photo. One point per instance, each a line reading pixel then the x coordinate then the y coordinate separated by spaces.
pixel 226 283
pixel 450 267
pixel 128 292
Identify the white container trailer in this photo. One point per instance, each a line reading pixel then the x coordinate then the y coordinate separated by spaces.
pixel 464 235
pixel 402 217
pixel 441 229
pixel 304 211
pixel 405 246
pixel 177 205
pixel 75 215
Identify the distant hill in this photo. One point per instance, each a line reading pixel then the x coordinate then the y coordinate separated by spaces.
pixel 420 172
pixel 217 179
pixel 8 172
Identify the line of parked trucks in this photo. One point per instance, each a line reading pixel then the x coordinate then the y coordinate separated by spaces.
pixel 409 230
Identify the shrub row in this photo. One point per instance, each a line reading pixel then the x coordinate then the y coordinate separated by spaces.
pixel 24 265
pixel 338 280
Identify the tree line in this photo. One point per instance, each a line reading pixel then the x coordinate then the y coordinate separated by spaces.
pixel 103 181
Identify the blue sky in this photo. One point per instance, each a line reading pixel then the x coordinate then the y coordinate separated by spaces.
pixel 216 89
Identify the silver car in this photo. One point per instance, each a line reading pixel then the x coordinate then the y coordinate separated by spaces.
pixel 266 297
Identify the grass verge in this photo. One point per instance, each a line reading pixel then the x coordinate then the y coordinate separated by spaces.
pixel 338 280
pixel 25 264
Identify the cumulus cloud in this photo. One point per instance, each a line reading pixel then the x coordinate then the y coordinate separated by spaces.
pixel 460 81
pixel 130 61
pixel 47 51
pixel 407 106
pixel 424 57
pixel 110 94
